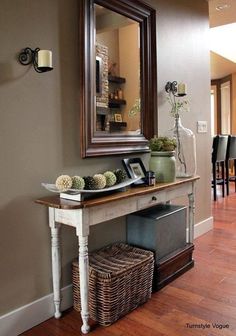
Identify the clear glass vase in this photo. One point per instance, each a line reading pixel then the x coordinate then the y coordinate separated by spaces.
pixel 186 149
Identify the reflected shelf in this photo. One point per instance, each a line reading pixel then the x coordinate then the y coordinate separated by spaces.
pixel 115 103
pixel 116 79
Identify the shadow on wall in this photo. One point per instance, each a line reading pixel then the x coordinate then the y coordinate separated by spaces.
pixel 97 240
pixel 13 71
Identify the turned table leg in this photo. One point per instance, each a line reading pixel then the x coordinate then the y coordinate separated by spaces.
pixel 191 217
pixel 56 262
pixel 84 282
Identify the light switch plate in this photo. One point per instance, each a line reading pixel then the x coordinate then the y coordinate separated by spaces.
pixel 202 126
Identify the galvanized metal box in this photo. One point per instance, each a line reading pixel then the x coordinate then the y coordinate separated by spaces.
pixel 161 229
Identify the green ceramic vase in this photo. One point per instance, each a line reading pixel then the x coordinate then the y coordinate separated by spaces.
pixel 163 164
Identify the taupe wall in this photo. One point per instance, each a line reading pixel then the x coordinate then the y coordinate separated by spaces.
pixel 39 129
pixel 183 55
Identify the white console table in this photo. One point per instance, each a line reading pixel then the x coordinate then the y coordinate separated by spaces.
pixel 94 211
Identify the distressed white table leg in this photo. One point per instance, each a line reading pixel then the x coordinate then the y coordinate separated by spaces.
pixel 84 282
pixel 191 217
pixel 56 261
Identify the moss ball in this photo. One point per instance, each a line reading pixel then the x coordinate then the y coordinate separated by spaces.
pixel 63 183
pixel 120 175
pixel 78 182
pixel 89 183
pixel 110 178
pixel 100 181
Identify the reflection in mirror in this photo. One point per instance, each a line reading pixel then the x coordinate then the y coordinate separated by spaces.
pixel 118 97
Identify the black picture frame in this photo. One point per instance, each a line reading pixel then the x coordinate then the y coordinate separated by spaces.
pixel 134 167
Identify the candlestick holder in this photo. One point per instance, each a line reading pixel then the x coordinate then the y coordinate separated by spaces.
pixel 171 87
pixel 41 59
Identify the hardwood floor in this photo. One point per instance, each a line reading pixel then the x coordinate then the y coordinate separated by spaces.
pixel 194 304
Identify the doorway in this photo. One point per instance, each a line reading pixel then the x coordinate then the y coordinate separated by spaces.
pixel 221 106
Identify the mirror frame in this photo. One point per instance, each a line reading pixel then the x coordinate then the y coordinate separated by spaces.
pixel 92 145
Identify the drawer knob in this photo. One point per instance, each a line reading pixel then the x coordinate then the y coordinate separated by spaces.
pixel 154 198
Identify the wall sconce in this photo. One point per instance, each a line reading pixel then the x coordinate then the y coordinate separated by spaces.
pixel 41 59
pixel 178 90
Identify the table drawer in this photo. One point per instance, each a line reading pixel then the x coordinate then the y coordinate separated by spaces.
pixel 151 199
pixel 111 210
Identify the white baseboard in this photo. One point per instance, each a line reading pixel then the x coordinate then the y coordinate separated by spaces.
pixel 28 316
pixel 203 227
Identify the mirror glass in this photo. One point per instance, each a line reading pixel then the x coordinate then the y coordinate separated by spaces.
pixel 118 98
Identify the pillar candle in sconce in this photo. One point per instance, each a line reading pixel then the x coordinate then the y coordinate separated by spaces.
pixel 182 89
pixel 44 59
pixel 40 59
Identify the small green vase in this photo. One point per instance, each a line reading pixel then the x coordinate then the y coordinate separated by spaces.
pixel 163 164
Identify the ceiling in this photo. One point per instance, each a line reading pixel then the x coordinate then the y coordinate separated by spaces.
pixel 220 66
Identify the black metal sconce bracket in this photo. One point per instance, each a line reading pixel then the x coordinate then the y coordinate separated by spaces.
pixel 29 56
pixel 171 87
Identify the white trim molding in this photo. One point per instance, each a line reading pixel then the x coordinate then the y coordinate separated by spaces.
pixel 32 314
pixel 203 227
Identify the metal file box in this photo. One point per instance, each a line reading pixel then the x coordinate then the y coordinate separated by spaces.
pixel 161 229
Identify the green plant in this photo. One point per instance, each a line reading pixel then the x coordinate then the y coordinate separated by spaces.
pixel 135 109
pixel 177 105
pixel 162 144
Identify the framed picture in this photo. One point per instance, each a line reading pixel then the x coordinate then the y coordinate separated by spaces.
pixel 135 168
pixel 118 118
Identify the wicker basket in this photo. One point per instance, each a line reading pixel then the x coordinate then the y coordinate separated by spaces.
pixel 120 279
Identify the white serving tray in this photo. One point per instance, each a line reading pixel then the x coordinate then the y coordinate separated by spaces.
pixel 75 194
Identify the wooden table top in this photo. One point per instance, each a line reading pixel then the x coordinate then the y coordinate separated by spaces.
pixel 60 203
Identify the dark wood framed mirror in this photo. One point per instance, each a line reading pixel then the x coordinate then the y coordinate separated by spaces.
pixel 118 107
